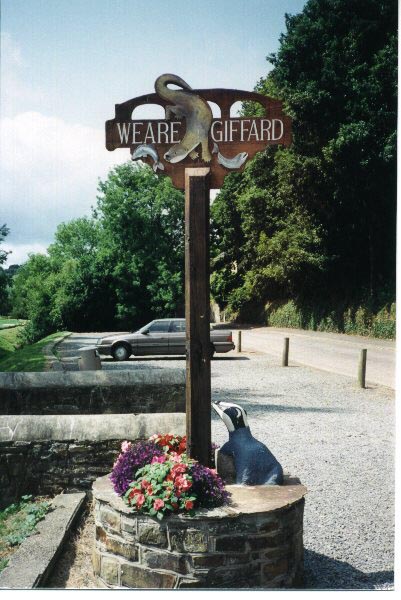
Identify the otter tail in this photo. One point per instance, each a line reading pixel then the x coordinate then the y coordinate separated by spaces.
pixel 166 93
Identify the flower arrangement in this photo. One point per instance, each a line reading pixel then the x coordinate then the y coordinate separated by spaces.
pixel 157 478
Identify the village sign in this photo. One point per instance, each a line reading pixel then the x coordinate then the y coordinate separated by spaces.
pixel 190 137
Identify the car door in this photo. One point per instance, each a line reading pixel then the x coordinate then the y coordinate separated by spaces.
pixel 155 340
pixel 176 344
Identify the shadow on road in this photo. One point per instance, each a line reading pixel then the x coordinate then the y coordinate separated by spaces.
pixel 241 397
pixel 323 572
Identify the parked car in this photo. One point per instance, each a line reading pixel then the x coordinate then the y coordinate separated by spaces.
pixel 162 336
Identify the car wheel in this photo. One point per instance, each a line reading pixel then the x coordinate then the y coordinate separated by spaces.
pixel 121 352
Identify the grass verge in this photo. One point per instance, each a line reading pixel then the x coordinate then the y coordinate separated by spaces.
pixel 28 358
pixel 7 322
pixel 17 522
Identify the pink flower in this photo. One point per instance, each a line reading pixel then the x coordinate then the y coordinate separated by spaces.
pixel 183 484
pixel 158 503
pixel 140 499
pixel 126 446
pixel 174 457
pixel 178 468
pixel 159 459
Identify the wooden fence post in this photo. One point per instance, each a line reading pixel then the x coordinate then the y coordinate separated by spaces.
pixel 362 368
pixel 239 342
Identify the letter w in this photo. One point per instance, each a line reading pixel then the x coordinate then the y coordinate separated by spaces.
pixel 123 130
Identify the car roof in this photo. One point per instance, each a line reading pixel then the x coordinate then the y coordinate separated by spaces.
pixel 171 319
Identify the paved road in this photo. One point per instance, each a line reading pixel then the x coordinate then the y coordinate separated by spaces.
pixel 337 353
pixel 333 352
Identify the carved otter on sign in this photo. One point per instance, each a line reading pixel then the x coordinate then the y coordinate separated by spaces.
pixel 197 113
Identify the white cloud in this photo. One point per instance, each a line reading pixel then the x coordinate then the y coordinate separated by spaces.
pixel 49 167
pixel 19 252
pixel 50 172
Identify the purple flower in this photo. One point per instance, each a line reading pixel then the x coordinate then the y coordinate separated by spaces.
pixel 127 464
pixel 208 487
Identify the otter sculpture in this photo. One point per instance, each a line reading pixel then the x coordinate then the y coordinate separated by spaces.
pixel 254 463
pixel 197 113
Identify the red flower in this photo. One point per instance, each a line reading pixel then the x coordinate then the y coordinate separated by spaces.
pixel 145 484
pixel 189 504
pixel 158 503
pixel 149 490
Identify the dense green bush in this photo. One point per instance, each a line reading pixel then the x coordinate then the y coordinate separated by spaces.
pixel 352 320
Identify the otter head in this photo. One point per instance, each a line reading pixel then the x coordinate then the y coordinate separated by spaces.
pixel 233 415
pixel 175 154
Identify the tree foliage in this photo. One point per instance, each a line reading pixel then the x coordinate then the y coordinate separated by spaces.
pixel 4 279
pixel 316 222
pixel 116 269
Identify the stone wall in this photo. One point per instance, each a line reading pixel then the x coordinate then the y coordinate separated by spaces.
pixel 48 454
pixel 93 392
pixel 256 541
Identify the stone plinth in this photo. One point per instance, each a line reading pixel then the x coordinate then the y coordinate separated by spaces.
pixel 254 542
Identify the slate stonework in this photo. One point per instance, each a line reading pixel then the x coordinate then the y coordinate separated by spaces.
pixel 92 392
pixel 255 542
pixel 47 467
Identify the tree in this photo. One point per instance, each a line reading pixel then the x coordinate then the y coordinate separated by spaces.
pixel 142 218
pixel 317 220
pixel 4 280
pixel 336 68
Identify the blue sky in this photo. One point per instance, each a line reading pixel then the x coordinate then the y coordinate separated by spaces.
pixel 64 65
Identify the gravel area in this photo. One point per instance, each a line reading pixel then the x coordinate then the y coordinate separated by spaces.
pixel 339 440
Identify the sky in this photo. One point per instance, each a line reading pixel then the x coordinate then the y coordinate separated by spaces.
pixel 66 63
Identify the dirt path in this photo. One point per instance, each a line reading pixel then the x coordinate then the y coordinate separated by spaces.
pixel 74 567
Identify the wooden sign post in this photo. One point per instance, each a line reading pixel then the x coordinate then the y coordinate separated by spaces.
pixel 197 151
pixel 197 314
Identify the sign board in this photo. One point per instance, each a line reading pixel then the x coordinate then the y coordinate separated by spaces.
pixel 190 137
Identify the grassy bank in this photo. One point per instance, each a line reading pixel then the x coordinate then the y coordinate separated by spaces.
pixel 17 522
pixel 27 358
pixel 352 320
pixel 9 341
